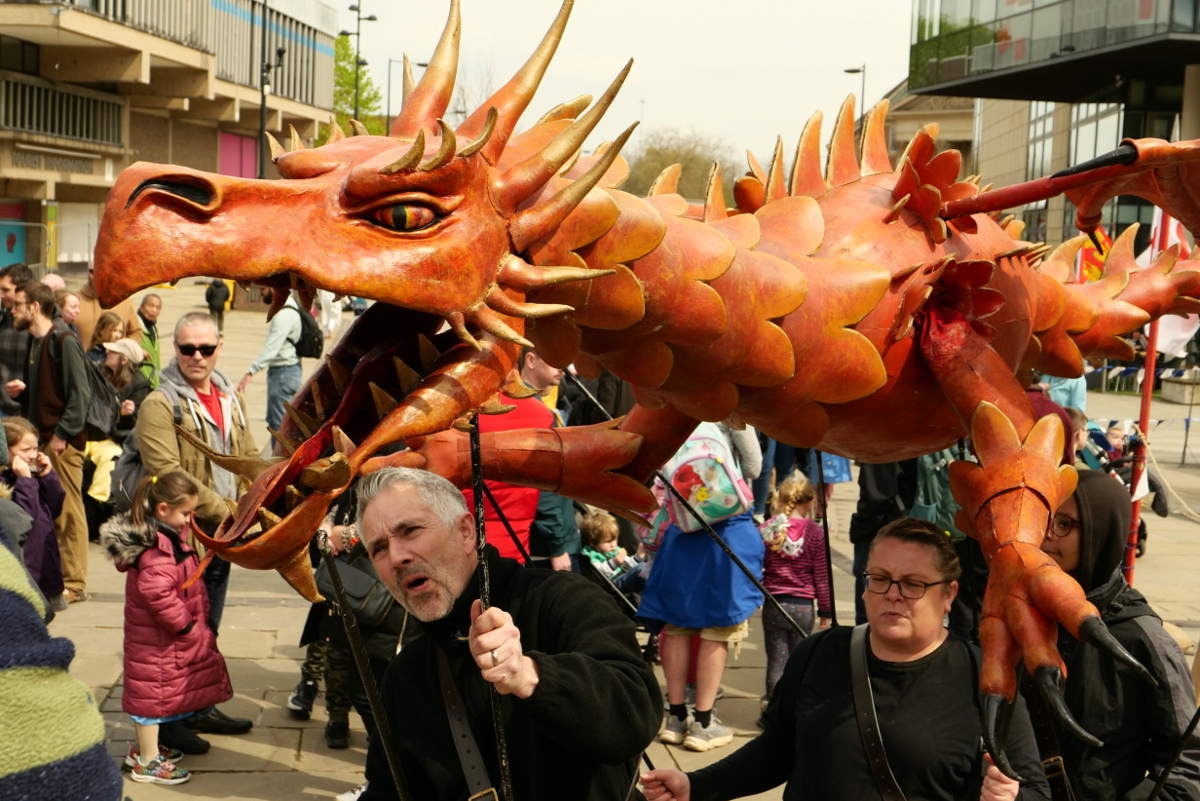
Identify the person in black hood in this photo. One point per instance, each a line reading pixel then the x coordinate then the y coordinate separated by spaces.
pixel 579 704
pixel 1140 726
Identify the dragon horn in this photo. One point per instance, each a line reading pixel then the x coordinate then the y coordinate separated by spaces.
pixel 276 148
pixel 409 84
pixel 488 129
pixel 336 134
pixel 294 142
pixel 359 128
pixel 496 300
pixel 444 153
pixel 874 146
pixel 530 175
pixel 842 167
pixel 567 111
pixel 806 167
pixel 489 321
pixel 776 188
pixel 409 159
pixel 517 274
pixel 513 98
pixel 431 96
pixel 532 224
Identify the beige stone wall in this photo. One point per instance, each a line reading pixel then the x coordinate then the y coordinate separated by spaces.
pixel 1004 145
pixel 150 138
pixel 195 145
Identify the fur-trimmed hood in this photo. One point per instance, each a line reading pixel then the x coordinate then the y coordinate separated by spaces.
pixel 124 542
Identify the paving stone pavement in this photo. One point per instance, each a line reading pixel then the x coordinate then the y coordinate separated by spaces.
pixel 283 758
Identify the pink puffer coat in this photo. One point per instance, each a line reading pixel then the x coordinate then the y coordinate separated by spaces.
pixel 166 673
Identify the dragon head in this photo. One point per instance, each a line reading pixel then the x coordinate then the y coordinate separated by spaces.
pixel 433 223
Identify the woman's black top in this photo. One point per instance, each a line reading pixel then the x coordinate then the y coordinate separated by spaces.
pixel 929 718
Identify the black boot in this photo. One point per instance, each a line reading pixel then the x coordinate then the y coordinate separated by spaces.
pixel 214 721
pixel 337 734
pixel 177 735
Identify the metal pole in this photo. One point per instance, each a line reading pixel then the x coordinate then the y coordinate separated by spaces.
pixel 863 118
pixel 825 525
pixel 357 56
pixel 1139 451
pixel 262 107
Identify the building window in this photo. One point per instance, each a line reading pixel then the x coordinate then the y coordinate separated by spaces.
pixel 1037 165
pixel 18 56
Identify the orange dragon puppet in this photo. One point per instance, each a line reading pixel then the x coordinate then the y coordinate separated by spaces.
pixel 879 311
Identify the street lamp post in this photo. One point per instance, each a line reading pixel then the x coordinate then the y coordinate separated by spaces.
pixel 392 61
pixel 863 96
pixel 264 85
pixel 357 34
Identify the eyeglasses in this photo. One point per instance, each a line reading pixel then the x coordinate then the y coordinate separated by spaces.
pixel 1061 526
pixel 190 350
pixel 909 588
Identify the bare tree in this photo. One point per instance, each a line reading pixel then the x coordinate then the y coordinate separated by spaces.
pixel 472 89
pixel 662 147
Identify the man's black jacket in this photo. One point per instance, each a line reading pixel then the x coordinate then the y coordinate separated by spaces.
pixel 596 706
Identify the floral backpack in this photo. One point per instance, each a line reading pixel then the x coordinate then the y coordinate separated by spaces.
pixel 705 473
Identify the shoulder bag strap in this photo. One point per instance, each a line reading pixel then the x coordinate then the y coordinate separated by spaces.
pixel 479 785
pixel 868 722
pixel 1047 741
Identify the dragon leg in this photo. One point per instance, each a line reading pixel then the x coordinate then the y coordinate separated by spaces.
pixel 1007 501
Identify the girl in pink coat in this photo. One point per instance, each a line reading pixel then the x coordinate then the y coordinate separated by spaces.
pixel 172 665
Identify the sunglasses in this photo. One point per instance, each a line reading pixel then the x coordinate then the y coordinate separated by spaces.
pixel 190 350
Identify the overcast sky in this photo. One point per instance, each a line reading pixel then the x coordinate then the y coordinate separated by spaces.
pixel 744 70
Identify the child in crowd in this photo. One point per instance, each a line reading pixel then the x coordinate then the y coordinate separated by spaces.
pixel 36 489
pixel 1116 438
pixel 794 572
pixel 172 665
pixel 599 533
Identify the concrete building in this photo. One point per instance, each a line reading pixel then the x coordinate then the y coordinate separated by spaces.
pixel 88 87
pixel 1058 82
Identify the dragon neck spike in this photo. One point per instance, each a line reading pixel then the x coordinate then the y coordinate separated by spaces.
pixel 409 84
pixel 497 301
pixel 336 134
pixel 516 273
pixel 776 188
pixel 409 159
pixel 294 141
pixel 276 148
pixel 875 159
pixel 431 97
pixel 359 128
pixel 515 185
pixel 667 182
pixel 756 170
pixel 445 151
pixel 537 222
pixel 490 322
pixel 458 324
pixel 807 180
pixel 842 167
pixel 714 195
pixel 488 129
pixel 513 98
pixel 567 111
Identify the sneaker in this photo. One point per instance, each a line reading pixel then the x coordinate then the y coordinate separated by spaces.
pixel 700 738
pixel 178 736
pixel 337 734
pixel 352 795
pixel 158 771
pixel 300 702
pixel 74 596
pixel 171 755
pixel 675 729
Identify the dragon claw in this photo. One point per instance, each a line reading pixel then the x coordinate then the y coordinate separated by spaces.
pixel 993 717
pixel 1049 681
pixel 1095 633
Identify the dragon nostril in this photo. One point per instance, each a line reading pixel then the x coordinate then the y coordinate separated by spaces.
pixel 196 194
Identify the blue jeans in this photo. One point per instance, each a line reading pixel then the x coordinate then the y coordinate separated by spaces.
pixel 761 486
pixel 282 385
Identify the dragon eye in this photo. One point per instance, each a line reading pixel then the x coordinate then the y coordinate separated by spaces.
pixel 405 217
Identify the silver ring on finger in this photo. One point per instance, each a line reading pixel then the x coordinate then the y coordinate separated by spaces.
pixel 495 661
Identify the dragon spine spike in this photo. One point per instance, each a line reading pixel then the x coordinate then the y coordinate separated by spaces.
pixel 318 399
pixel 842 167
pixel 667 182
pixel 409 83
pixel 894 214
pixel 445 151
pixel 409 159
pixel 292 498
pixel 338 372
pixel 268 519
pixel 458 324
pixel 875 159
pixel 514 97
pixel 1120 256
pixel 1067 251
pixel 776 186
pixel 1006 219
pixel 341 442
pixel 407 377
pixel 359 128
pixel 515 273
pixel 289 445
pixel 756 170
pixel 294 142
pixel 336 134
pixel 535 223
pixel 807 180
pixel 431 97
pixel 276 149
pixel 384 403
pixel 489 321
pixel 566 111
pixel 489 127
pixel 302 421
pixel 714 195
pixel 498 301
pixel 530 175
pixel 428 352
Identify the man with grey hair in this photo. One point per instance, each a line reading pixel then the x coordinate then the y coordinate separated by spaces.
pixel 579 703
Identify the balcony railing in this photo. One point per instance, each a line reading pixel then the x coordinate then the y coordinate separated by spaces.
pixel 36 106
pixel 183 21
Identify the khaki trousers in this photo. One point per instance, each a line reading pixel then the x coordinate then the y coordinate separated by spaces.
pixel 71 525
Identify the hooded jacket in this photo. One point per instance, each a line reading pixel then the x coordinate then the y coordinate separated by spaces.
pixel 1140 725
pixel 164 451
pixel 172 664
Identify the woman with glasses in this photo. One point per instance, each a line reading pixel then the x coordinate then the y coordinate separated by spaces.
pixel 1140 726
pixel 924 683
